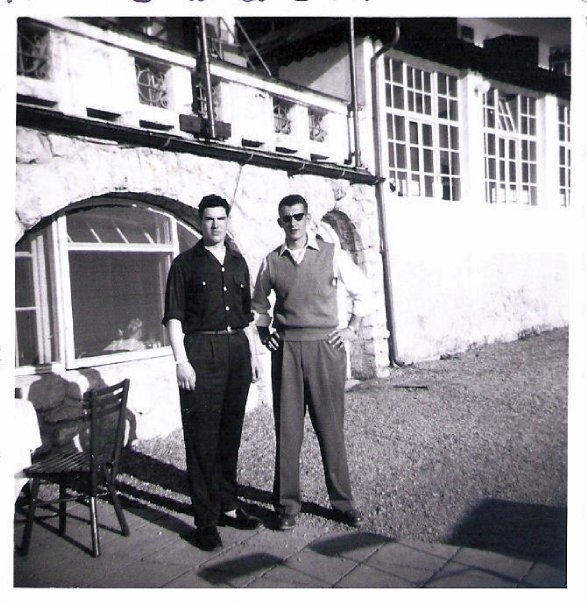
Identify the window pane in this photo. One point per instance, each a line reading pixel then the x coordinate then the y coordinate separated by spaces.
pixel 398 72
pixel 428 161
pixel 115 224
pixel 388 101
pixel 414 159
pixel 427 135
pixel 398 97
pixel 23 284
pixel 400 132
pixel 442 107
pixel 117 300
pixel 26 345
pixel 401 156
pixel 187 239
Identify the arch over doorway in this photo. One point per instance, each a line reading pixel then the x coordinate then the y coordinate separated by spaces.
pixel 336 227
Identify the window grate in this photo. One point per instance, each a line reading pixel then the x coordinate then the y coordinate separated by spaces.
pixel 152 83
pixel 317 127
pixel 33 52
pixel 282 122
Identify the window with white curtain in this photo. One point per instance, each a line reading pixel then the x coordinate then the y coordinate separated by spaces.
pixel 91 284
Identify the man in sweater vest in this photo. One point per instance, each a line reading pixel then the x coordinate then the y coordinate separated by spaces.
pixel 308 361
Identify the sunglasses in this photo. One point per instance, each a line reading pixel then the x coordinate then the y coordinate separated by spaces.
pixel 289 217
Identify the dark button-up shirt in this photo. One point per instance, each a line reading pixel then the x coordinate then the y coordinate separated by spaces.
pixel 206 295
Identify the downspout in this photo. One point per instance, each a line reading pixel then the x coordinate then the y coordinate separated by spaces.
pixel 205 58
pixel 354 104
pixel 380 193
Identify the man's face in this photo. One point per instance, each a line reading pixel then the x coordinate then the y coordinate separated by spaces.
pixel 214 225
pixel 294 221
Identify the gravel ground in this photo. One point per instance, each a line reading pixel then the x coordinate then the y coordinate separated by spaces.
pixel 468 450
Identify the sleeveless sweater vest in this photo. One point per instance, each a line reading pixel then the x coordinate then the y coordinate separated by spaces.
pixel 305 294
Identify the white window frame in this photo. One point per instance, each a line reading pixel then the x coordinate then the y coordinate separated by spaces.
pixel 63 328
pixel 511 146
pixel 416 179
pixel 564 144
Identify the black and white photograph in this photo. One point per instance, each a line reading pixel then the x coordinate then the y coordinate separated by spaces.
pixel 300 292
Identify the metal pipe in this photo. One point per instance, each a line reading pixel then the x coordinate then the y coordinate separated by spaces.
pixel 387 286
pixel 354 105
pixel 205 58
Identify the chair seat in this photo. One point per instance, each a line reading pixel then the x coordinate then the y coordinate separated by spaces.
pixel 77 461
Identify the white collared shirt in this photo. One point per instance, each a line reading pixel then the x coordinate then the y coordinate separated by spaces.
pixel 345 271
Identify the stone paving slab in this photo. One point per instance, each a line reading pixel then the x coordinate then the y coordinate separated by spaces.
pixel 330 569
pixel 412 562
pixel 286 577
pixel 364 575
pixel 541 575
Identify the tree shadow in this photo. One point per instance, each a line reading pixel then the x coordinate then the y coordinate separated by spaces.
pixel 528 531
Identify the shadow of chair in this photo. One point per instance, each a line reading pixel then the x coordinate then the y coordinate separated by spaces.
pixel 89 470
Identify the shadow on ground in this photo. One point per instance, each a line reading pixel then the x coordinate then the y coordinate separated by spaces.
pixel 527 531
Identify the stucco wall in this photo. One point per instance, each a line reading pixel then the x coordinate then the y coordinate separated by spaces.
pixel 465 275
pixel 54 171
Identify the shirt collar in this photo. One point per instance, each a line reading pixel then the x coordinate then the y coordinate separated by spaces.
pixel 200 248
pixel 312 242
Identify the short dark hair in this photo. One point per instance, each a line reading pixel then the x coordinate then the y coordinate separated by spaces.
pixel 292 200
pixel 213 201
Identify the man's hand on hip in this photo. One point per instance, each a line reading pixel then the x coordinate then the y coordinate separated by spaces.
pixel 339 336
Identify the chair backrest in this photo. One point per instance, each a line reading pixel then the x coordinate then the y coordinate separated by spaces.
pixel 107 417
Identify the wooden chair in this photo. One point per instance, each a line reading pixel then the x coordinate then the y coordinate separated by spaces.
pixel 84 473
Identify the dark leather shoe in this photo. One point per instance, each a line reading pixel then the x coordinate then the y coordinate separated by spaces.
pixel 351 517
pixel 208 538
pixel 286 522
pixel 243 521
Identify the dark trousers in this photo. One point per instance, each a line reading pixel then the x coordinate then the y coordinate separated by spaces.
pixel 309 374
pixel 212 418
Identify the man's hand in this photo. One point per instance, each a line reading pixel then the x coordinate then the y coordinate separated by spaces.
pixel 339 336
pixel 255 369
pixel 269 340
pixel 186 376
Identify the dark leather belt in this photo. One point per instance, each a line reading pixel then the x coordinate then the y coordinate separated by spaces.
pixel 222 332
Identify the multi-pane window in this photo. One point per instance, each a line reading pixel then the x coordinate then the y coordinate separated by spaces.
pixel 510 147
pixel 32 56
pixel 35 300
pixel 564 153
pixel 110 263
pixel 151 83
pixel 422 131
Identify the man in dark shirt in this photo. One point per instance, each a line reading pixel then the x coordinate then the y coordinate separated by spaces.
pixel 207 316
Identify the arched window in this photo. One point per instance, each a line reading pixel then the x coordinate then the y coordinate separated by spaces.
pixel 90 284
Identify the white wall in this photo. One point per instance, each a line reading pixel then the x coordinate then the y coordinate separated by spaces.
pixel 467 275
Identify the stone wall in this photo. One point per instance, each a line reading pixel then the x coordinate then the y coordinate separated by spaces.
pixel 55 171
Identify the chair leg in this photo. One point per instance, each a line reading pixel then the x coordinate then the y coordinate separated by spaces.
pixel 118 509
pixel 62 507
pixel 28 528
pixel 94 525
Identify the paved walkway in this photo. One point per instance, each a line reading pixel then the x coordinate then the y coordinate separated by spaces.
pixel 157 554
